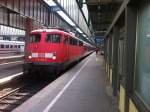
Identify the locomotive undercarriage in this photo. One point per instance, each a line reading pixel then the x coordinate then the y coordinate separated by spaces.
pixel 42 69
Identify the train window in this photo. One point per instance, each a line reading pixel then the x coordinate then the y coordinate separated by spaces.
pixel 15 46
pixel 75 42
pixel 2 46
pixel 71 41
pixel 18 46
pixel 11 46
pixel 80 43
pixel 66 40
pixel 7 46
pixel 35 38
pixel 53 38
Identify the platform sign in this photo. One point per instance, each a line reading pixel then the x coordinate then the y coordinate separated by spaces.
pixel 99 40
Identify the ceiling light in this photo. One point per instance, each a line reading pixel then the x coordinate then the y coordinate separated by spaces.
pixel 99 7
pixel 50 2
pixel 84 35
pixel 79 30
pixel 66 18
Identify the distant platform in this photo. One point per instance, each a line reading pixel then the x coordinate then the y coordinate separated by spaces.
pixel 6 56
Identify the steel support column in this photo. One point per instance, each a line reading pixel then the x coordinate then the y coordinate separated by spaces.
pixel 115 77
pixel 131 24
pixel 28 29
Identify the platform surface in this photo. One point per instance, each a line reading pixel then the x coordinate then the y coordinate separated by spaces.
pixel 10 69
pixel 81 89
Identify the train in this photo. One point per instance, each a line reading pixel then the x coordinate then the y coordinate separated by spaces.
pixel 11 47
pixel 53 50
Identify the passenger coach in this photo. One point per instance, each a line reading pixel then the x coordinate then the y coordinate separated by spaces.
pixel 8 48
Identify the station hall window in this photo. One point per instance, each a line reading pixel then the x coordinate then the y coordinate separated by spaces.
pixel 2 46
pixel 7 46
pixel 11 46
pixel 142 75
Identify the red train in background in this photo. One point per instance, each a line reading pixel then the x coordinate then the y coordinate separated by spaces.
pixel 53 50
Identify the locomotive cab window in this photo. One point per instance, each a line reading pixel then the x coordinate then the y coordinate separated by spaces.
pixel 35 38
pixel 53 38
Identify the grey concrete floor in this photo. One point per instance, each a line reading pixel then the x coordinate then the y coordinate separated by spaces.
pixel 86 91
pixel 10 69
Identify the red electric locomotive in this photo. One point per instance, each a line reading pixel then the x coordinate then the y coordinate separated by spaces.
pixel 53 49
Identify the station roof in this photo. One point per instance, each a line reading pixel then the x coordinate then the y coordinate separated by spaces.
pixel 102 13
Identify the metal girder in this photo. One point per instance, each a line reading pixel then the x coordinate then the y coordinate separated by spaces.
pixel 55 8
pixel 15 13
pixel 100 2
pixel 102 12
pixel 121 9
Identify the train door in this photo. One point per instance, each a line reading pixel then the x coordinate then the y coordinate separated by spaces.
pixel 66 47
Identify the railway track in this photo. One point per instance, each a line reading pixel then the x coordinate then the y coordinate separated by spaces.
pixel 18 90
pixel 11 98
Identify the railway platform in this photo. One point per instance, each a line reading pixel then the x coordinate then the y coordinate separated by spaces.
pixel 81 89
pixel 10 70
pixel 10 67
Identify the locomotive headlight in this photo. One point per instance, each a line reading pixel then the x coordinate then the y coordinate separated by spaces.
pixel 51 55
pixel 29 56
pixel 54 57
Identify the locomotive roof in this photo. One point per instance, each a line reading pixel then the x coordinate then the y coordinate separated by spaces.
pixel 58 30
pixel 46 30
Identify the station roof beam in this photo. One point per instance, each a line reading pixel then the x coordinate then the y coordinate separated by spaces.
pixel 102 13
pixel 70 12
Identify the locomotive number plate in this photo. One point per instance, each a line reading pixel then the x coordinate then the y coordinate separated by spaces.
pixel 41 55
pixel 48 55
pixel 34 55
